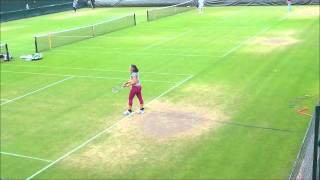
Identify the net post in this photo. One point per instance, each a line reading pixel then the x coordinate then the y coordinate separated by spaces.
pixel 315 143
pixel 7 52
pixel 49 40
pixel 148 15
pixel 36 44
pixel 134 17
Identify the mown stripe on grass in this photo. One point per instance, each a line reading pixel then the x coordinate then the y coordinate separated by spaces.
pixel 82 76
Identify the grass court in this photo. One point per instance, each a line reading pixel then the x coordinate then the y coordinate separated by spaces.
pixel 222 91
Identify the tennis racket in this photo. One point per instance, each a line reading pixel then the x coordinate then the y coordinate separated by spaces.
pixel 117 88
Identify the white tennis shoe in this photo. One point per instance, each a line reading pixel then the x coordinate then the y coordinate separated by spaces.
pixel 127 113
pixel 141 111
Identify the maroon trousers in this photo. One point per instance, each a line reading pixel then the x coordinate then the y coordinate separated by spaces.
pixel 135 91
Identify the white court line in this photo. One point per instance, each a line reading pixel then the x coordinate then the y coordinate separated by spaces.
pixel 93 69
pixel 32 92
pixel 167 40
pixel 81 76
pixel 114 125
pixel 2 99
pixel 24 156
pixel 104 131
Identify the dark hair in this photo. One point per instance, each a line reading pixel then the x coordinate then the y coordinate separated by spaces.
pixel 134 68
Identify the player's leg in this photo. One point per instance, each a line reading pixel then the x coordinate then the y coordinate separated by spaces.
pixel 130 102
pixel 139 95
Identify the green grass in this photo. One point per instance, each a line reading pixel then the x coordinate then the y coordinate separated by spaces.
pixel 247 65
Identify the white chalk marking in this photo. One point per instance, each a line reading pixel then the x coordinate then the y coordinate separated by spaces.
pixel 24 156
pixel 35 91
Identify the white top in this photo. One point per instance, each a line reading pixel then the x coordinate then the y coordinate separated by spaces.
pixel 136 75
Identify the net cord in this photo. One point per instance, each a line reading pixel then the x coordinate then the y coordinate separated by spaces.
pixel 176 5
pixel 77 28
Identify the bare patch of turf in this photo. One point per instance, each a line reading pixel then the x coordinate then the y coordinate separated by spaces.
pixel 304 13
pixel 166 120
pixel 276 41
pixel 120 148
pixel 269 44
pixel 285 33
pixel 165 127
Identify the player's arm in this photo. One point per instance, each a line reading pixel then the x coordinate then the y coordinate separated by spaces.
pixel 132 81
pixel 126 84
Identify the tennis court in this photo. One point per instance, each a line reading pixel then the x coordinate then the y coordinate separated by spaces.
pixel 230 71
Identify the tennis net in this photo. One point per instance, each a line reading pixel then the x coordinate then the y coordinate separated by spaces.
pixel 60 38
pixel 157 13
pixel 4 52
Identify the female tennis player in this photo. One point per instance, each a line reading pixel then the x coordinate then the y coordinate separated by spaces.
pixel 135 84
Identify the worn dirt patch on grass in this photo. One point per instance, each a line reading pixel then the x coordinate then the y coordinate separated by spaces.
pixel 165 125
pixel 122 147
pixel 269 44
pixel 276 41
pixel 166 120
pixel 285 33
pixel 115 154
pixel 304 13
